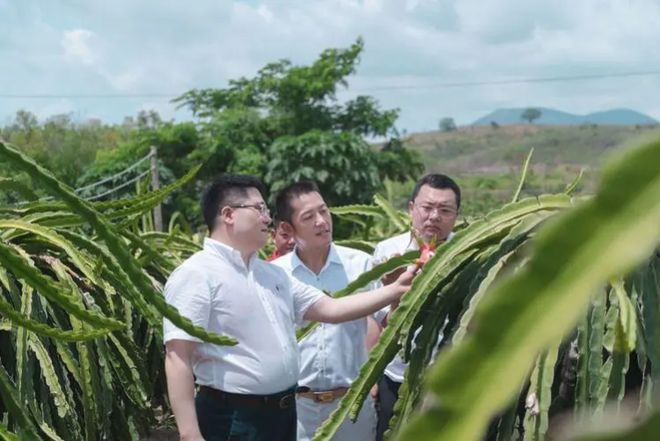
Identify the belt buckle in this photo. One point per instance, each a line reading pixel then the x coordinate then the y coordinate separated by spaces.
pixel 324 397
pixel 286 401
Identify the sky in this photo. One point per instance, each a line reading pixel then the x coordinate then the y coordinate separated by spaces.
pixel 428 58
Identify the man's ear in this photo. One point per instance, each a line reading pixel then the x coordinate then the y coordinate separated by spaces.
pixel 411 205
pixel 226 216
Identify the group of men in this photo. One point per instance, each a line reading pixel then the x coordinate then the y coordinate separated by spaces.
pixel 269 386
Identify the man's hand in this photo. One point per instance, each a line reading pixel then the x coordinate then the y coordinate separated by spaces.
pixel 404 280
pixel 374 391
pixel 392 276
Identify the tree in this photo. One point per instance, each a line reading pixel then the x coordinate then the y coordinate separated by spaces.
pixel 342 165
pixel 299 98
pixel 62 145
pixel 255 124
pixel 447 124
pixel 397 163
pixel 530 114
pixel 25 121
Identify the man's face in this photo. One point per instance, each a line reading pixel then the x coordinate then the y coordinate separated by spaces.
pixel 249 219
pixel 284 240
pixel 433 213
pixel 311 221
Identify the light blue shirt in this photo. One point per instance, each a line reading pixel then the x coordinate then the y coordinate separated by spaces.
pixel 331 355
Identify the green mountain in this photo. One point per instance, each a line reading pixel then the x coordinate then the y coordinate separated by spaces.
pixel 557 117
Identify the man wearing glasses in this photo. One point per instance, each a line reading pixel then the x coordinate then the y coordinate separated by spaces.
pixel 433 209
pixel 246 392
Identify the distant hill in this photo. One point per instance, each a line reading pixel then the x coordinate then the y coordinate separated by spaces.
pixel 557 117
pixel 486 160
pixel 486 149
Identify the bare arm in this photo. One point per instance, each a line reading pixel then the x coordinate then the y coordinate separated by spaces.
pixel 329 310
pixel 181 387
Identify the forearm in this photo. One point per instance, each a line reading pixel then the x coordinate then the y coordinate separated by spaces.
pixel 181 388
pixel 357 305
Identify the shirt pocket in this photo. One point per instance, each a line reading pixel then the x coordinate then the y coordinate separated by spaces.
pixel 282 303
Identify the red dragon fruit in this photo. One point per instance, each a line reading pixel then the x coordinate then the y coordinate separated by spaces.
pixel 427 251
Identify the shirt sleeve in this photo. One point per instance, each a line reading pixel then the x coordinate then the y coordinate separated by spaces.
pixel 380 315
pixel 304 296
pixel 189 292
pixel 368 266
pixel 377 258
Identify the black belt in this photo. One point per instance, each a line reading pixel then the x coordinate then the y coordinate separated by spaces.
pixel 280 400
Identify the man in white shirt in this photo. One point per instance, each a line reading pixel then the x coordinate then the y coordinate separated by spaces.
pixel 433 209
pixel 332 354
pixel 245 391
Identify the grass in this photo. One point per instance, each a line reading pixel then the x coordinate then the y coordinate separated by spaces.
pixel 486 161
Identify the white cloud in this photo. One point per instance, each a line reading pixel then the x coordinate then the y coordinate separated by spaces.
pixel 125 80
pixel 169 47
pixel 76 45
pixel 265 12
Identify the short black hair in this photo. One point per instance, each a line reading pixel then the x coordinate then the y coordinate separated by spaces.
pixel 283 209
pixel 438 181
pixel 227 189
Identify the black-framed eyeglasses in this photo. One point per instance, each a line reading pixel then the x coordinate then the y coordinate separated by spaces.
pixel 261 208
pixel 443 211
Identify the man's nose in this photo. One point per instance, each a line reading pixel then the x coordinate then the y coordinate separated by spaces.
pixel 320 220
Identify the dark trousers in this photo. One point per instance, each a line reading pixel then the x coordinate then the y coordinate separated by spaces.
pixel 388 392
pixel 223 421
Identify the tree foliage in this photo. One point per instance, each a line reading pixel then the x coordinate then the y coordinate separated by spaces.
pixel 62 145
pixel 341 163
pixel 249 127
pixel 447 124
pixel 530 114
pixel 256 125
pixel 297 99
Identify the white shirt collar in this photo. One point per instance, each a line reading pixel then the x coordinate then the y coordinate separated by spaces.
pixel 333 257
pixel 231 254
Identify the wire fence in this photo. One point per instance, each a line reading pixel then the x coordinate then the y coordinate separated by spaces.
pixel 116 175
pixel 118 187
pixel 113 178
